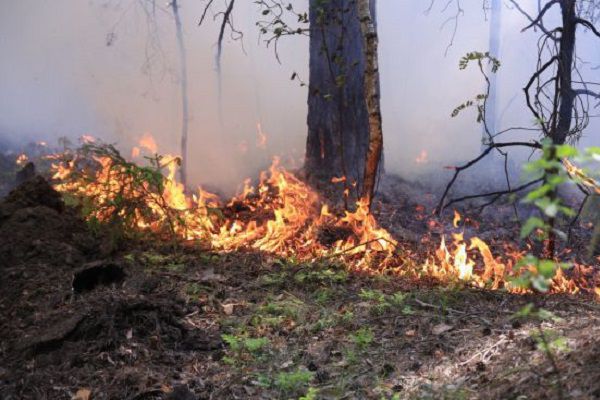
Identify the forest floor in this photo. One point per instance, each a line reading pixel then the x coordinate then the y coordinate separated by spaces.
pixel 80 321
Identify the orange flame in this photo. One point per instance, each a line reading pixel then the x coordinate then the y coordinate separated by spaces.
pixel 87 139
pixel 284 216
pixel 261 140
pixel 422 158
pixel 456 219
pixel 22 159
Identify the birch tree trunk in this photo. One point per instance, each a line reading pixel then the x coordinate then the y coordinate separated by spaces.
pixel 372 97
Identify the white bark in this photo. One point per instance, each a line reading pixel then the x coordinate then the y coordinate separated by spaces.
pixel 372 97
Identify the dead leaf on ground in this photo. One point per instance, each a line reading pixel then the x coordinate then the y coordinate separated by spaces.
pixel 82 394
pixel 441 328
pixel 210 276
pixel 228 308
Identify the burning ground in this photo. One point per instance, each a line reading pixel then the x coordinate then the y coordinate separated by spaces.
pixel 273 294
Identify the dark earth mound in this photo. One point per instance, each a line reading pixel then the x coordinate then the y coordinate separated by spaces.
pixel 73 316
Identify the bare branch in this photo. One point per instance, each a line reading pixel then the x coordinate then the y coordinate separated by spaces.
pixel 538 19
pixel 588 25
pixel 457 170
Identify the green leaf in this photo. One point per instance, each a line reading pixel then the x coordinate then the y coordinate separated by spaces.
pixel 547 268
pixel 524 312
pixel 565 151
pixel 538 193
pixel 531 224
pixel 540 283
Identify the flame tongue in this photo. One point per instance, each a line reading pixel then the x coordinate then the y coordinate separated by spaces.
pixel 281 215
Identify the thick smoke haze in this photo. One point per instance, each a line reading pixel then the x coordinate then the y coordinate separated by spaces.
pixel 110 69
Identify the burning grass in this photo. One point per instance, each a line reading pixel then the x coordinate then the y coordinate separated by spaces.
pixel 282 215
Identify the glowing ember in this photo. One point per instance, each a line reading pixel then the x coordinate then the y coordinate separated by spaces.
pixel 87 139
pixel 22 159
pixel 261 140
pixel 422 158
pixel 456 219
pixel 146 143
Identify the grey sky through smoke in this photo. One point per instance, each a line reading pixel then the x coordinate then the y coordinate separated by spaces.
pixel 59 77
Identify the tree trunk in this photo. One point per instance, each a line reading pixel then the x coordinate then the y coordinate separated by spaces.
pixel 562 123
pixel 491 108
pixel 338 120
pixel 184 91
pixel 372 97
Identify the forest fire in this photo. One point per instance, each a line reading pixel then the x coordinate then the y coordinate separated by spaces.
pixel 281 215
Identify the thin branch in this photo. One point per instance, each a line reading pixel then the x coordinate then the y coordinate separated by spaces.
pixel 497 194
pixel 459 169
pixel 539 24
pixel 537 21
pixel 588 25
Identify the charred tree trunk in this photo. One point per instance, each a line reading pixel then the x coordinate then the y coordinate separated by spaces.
pixel 372 97
pixel 566 94
pixel 184 90
pixel 338 120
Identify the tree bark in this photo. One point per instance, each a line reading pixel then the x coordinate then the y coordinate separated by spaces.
pixel 372 99
pixel 566 94
pixel 338 121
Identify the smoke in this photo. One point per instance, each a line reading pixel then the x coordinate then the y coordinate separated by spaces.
pixel 109 68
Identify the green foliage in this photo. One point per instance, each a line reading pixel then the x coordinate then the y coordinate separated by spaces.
pixel 550 170
pixel 294 381
pixel 194 289
pixel 549 340
pixel 275 313
pixel 539 314
pixel 243 348
pixel 323 296
pixel 480 58
pixel 115 194
pixel 480 99
pixel 321 276
pixel 362 338
pixel 383 302
pixel 311 394
pixel 289 383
